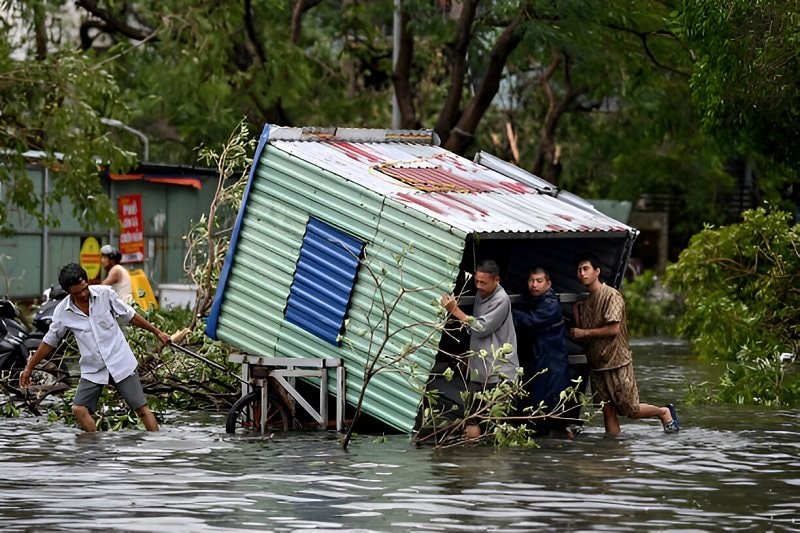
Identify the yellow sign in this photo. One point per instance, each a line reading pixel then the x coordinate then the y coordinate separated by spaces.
pixel 90 257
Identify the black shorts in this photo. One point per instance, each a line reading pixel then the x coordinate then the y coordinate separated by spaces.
pixel 130 388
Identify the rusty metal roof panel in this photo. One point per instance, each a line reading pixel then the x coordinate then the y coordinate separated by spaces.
pixel 456 191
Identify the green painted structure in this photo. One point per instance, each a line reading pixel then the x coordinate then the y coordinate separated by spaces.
pixel 31 257
pixel 425 217
pixel 285 192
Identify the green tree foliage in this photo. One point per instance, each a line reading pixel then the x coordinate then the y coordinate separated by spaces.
pixel 746 80
pixel 651 309
pixel 577 91
pixel 51 104
pixel 593 96
pixel 742 289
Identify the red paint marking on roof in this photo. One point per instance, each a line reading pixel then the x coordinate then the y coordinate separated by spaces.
pixel 443 203
pixel 472 170
pixel 356 152
pixel 516 187
pixel 437 179
pixel 556 227
pixel 457 162
pixel 565 217
pixel 444 179
pixel 419 200
pixel 461 202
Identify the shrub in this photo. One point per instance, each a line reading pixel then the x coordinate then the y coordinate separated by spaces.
pixel 652 310
pixel 742 294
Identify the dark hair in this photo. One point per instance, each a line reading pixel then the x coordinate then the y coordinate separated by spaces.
pixel 590 258
pixel 488 266
pixel 539 270
pixel 70 275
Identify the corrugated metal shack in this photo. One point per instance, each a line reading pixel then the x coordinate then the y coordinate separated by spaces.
pixel 327 213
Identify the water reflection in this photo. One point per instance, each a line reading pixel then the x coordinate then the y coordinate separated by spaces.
pixel 730 468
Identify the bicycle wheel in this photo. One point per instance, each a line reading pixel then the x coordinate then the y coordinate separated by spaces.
pixel 245 415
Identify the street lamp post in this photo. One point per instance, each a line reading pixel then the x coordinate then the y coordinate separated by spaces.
pixel 114 123
pixel 121 125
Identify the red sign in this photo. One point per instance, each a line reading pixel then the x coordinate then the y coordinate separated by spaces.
pixel 131 238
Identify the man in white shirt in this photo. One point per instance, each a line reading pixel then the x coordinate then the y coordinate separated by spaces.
pixel 91 313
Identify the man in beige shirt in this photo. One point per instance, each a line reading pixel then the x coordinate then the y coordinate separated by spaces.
pixel 601 326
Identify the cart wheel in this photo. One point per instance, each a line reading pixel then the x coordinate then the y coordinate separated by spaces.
pixel 245 414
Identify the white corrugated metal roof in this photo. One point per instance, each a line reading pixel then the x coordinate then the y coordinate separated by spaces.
pixel 443 185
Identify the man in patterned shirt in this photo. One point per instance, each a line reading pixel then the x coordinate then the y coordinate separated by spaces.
pixel 601 325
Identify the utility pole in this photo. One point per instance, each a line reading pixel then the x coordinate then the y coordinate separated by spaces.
pixel 395 53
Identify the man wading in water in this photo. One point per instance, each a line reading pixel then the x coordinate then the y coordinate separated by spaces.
pixel 491 327
pixel 602 328
pixel 91 312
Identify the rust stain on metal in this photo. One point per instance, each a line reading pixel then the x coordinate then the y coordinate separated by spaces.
pixel 355 152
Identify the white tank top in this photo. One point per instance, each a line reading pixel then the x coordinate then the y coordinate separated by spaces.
pixel 123 286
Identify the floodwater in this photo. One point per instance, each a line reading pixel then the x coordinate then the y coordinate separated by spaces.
pixel 735 469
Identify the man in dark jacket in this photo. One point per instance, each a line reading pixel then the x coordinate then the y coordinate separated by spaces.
pixel 540 325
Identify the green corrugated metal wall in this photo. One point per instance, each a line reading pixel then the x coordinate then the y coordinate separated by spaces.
pixel 285 192
pixel 182 206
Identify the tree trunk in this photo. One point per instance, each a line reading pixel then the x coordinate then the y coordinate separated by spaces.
pixel 547 163
pixel 402 76
pixel 300 7
pixel 457 66
pixel 460 136
pixel 40 31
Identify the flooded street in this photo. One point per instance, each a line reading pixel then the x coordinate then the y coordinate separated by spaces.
pixel 728 469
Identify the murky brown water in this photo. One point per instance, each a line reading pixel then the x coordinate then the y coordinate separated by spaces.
pixel 729 469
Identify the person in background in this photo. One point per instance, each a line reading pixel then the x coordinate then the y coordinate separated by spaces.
pixel 117 275
pixel 92 314
pixel 539 321
pixel 601 326
pixel 491 327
